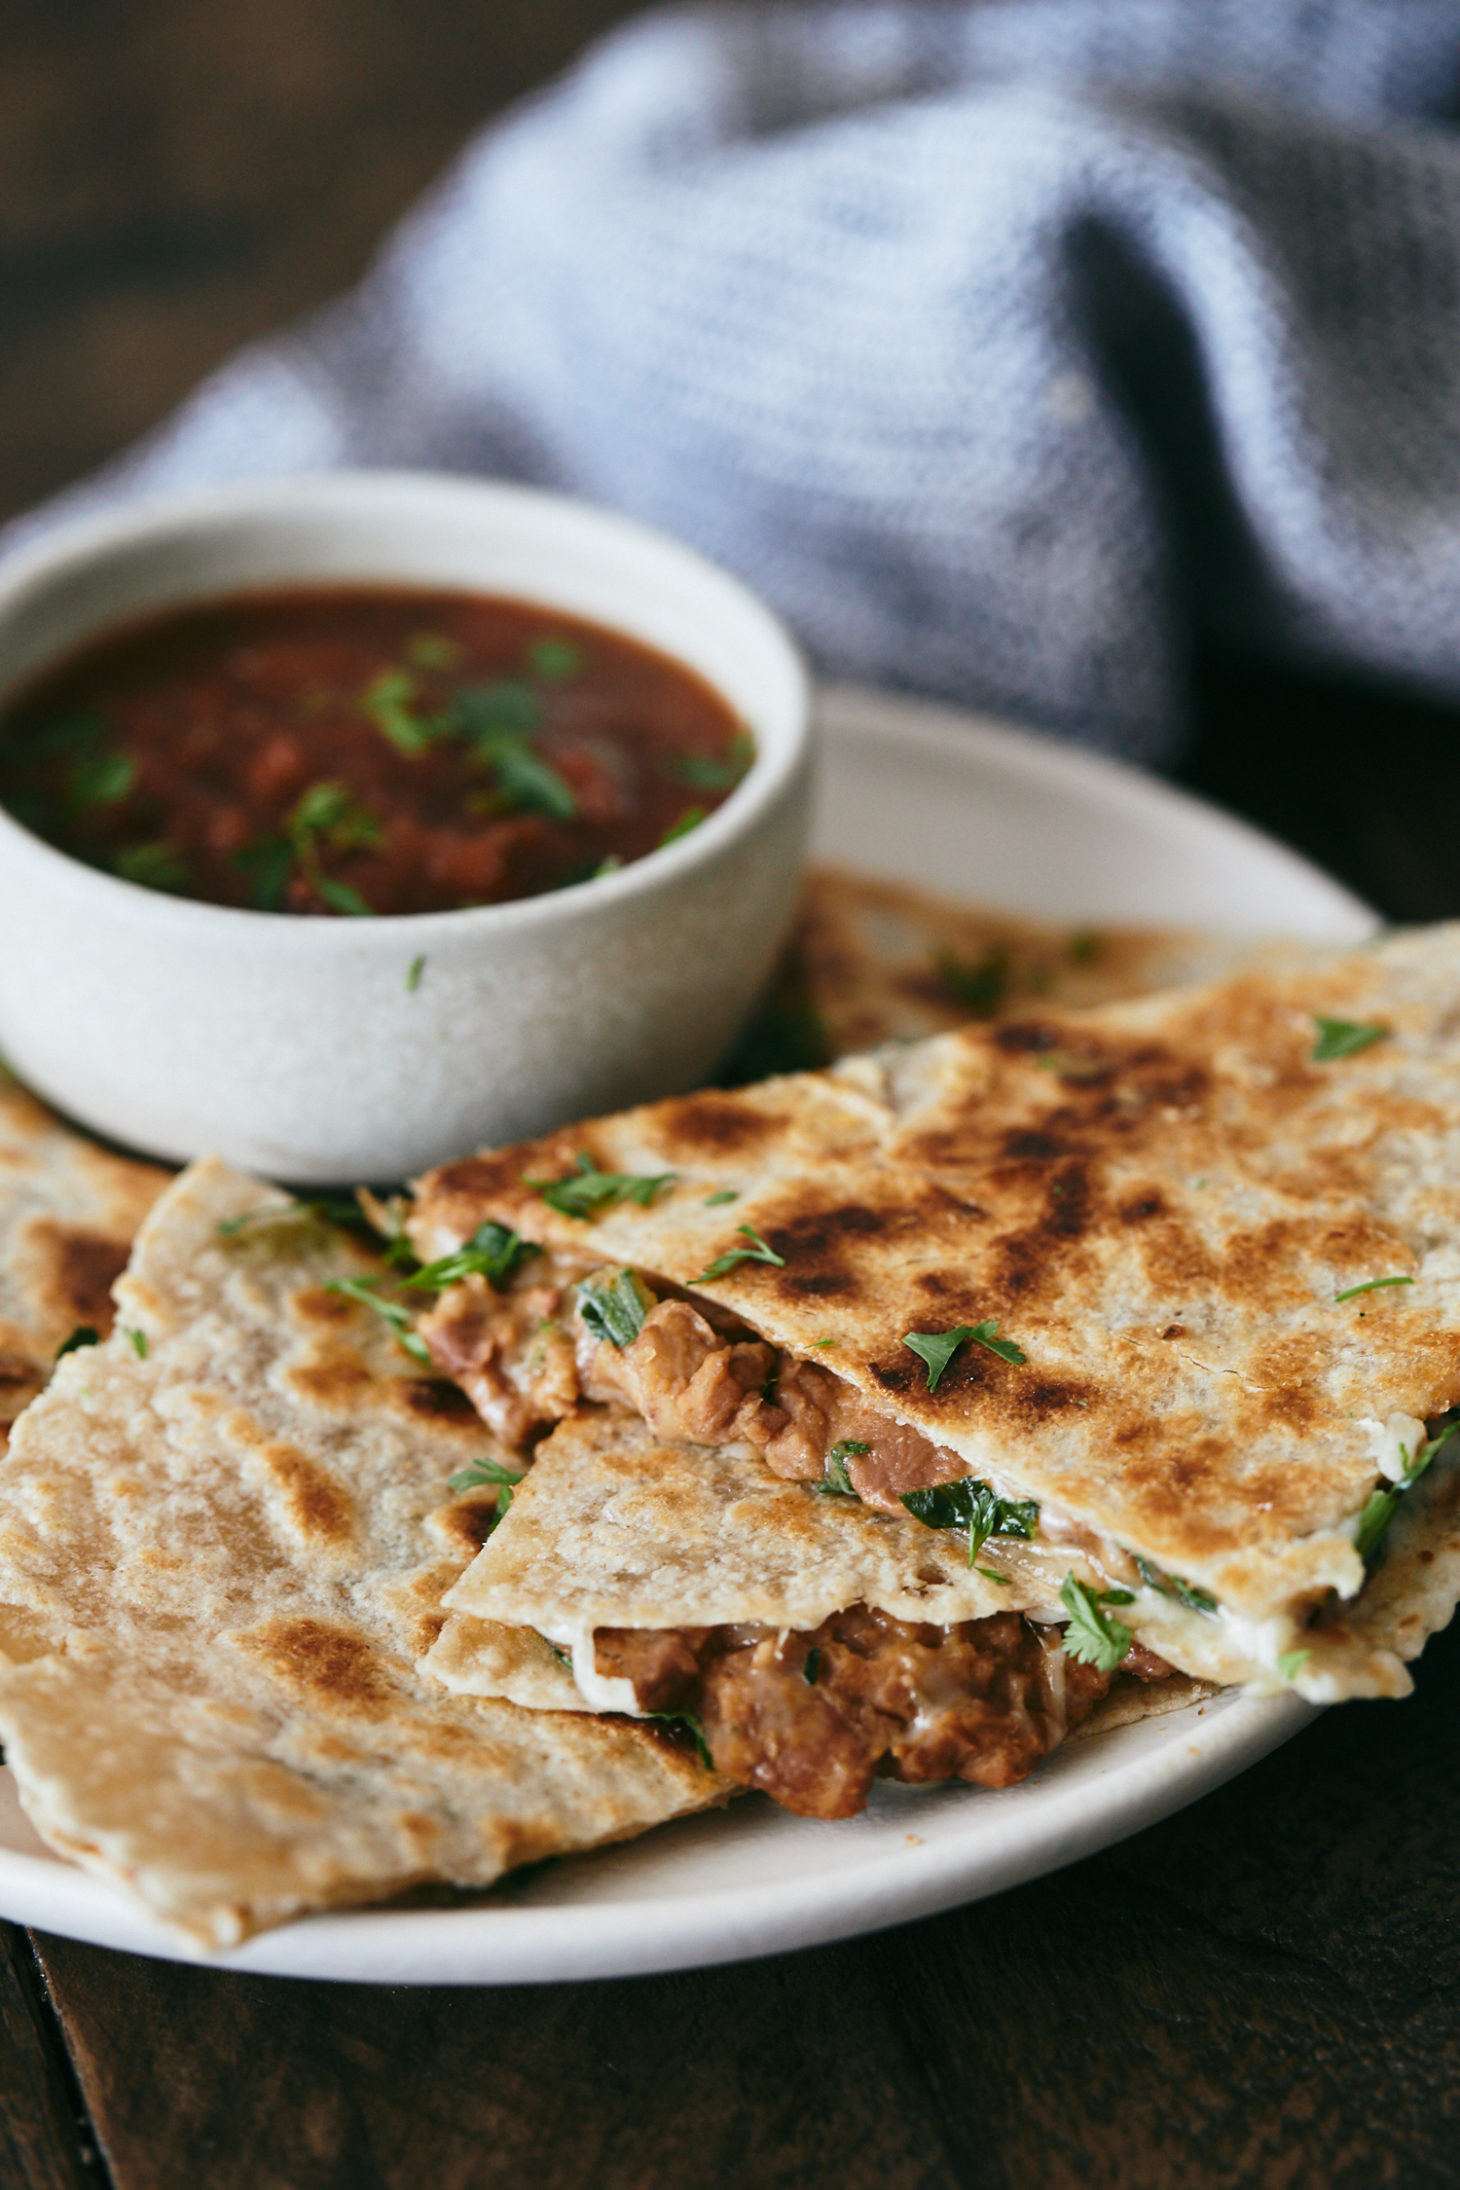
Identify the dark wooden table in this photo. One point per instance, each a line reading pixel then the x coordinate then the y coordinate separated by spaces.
pixel 1264 1990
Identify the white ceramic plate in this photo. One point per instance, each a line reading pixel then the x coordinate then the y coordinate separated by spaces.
pixel 927 796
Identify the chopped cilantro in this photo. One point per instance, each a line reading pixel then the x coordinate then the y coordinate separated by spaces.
pixel 389 704
pixel 835 1482
pixel 1292 1662
pixel 1344 1038
pixel 363 1290
pixel 413 978
pixel 554 660
pixel 1370 1285
pixel 971 1504
pixel 342 897
pixel 1174 1585
pixel 703 772
pixel 587 1189
pixel 1381 1505
pixel 268 861
pixel 614 1308
pixel 990 1576
pixel 979 985
pixel 432 651
pixel 937 1348
pixel 154 866
pixel 101 779
pixel 492 1252
pixel 811 1666
pixel 1094 1637
pixel 718 1201
pixel 689 819
pixel 533 787
pixel 734 1256
pixel 342 1209
pixel 686 1722
pixel 488 713
pixel 138 1340
pixel 85 1334
pixel 489 1475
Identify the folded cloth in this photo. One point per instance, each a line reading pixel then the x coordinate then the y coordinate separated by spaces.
pixel 1013 349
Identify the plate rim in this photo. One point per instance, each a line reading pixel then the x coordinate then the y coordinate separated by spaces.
pixel 638 1934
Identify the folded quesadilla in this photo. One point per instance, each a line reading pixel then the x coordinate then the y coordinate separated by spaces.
pixel 68 1213
pixel 225 1533
pixel 872 961
pixel 1155 1309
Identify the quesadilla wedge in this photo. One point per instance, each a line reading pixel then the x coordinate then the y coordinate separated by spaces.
pixel 813 1642
pixel 225 1533
pixel 1181 1275
pixel 68 1214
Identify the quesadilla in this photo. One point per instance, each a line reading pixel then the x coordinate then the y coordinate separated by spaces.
pixel 1156 1307
pixel 68 1213
pixel 225 1533
pixel 872 961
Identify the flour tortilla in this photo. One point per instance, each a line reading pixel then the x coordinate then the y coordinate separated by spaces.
pixel 1158 1202
pixel 219 1564
pixel 68 1214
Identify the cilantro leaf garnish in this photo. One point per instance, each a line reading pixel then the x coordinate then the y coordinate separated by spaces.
pixel 971 1504
pixel 1291 1663
pixel 1382 1505
pixel 413 978
pixel 531 784
pixel 811 1666
pixel 686 1722
pixel 155 866
pixel 85 1334
pixel 268 861
pixel 554 660
pixel 489 1475
pixel 758 1251
pixel 1370 1285
pixel 980 985
pixel 1344 1038
pixel 937 1348
pixel 431 650
pixel 101 779
pixel 1094 1637
pixel 614 1308
pixel 681 825
pixel 343 897
pixel 389 703
pixel 706 772
pixel 393 1312
pixel 341 1209
pixel 835 1482
pixel 489 713
pixel 1175 1585
pixel 587 1189
pixel 717 1201
pixel 492 1252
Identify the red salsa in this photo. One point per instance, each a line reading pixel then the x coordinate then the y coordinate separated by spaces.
pixel 359 750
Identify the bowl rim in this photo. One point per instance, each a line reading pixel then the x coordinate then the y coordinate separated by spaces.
pixel 94 538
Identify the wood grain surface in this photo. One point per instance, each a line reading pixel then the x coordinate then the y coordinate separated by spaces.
pixel 1264 1990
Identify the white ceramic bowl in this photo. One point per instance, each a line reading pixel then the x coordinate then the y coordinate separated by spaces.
pixel 297 1046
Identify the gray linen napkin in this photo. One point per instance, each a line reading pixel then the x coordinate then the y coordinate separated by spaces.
pixel 1011 349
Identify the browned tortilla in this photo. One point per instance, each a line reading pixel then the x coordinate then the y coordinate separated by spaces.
pixel 1157 1201
pixel 68 1213
pixel 224 1538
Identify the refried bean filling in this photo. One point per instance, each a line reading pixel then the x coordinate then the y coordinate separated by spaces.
pixel 525 1360
pixel 813 1718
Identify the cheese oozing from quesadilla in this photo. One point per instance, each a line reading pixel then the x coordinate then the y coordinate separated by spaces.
pixel 1181 1274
